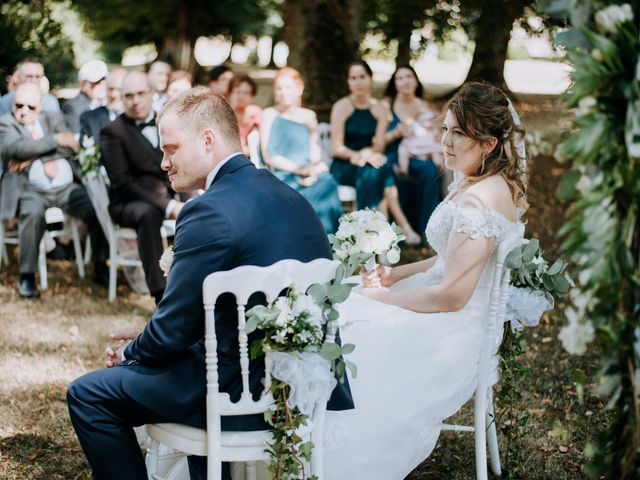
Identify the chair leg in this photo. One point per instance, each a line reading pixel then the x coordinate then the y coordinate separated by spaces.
pixel 113 268
pixel 42 265
pixel 250 471
pixel 480 416
pixel 77 247
pixel 87 250
pixel 153 457
pixel 492 437
pixel 3 251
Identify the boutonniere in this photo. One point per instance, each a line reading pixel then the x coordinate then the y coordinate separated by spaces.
pixel 166 260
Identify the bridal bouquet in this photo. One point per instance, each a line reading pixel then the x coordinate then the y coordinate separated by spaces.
pixel 534 284
pixel 89 156
pixel 361 236
pixel 303 357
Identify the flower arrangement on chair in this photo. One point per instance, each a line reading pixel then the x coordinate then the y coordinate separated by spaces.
pixel 303 357
pixel 89 155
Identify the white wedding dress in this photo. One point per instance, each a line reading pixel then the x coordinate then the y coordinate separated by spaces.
pixel 414 370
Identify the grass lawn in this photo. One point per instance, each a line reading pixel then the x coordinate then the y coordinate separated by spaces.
pixel 44 344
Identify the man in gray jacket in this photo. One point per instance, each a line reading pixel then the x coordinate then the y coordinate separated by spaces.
pixel 34 147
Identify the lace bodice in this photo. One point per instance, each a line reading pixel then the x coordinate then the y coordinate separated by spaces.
pixel 474 222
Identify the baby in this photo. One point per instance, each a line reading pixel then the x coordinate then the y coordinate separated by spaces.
pixel 424 141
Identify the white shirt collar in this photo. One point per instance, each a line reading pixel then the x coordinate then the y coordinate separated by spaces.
pixel 215 171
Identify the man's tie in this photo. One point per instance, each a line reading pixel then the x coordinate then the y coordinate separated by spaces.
pixel 150 123
pixel 51 167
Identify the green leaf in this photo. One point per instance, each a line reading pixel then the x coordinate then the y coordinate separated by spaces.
pixel 330 351
pixel 318 292
pixel 555 268
pixel 353 368
pixel 530 250
pixel 347 348
pixel 567 187
pixel 252 324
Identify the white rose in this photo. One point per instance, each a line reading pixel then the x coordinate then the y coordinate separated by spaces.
pixel 607 19
pixel 282 304
pixel 393 256
pixel 166 260
pixel 307 303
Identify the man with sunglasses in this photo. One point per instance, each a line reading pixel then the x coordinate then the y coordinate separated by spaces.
pixel 34 147
pixel 29 70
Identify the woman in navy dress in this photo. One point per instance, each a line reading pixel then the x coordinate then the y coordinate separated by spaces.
pixel 289 142
pixel 420 190
pixel 358 125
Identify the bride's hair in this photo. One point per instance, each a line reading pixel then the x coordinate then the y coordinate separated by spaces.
pixel 482 111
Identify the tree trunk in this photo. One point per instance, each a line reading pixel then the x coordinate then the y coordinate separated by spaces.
pixel 404 48
pixel 492 35
pixel 323 37
pixel 178 49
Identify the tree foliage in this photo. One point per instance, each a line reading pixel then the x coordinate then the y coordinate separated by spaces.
pixel 603 233
pixel 29 30
pixel 173 25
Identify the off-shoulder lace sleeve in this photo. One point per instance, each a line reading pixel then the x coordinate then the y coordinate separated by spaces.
pixel 476 222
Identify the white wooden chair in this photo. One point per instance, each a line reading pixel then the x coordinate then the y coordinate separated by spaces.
pixel 484 425
pixel 346 193
pixel 221 446
pixel 122 252
pixel 253 142
pixel 52 216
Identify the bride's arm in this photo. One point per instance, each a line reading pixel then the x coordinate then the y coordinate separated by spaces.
pixel 465 258
pixel 404 271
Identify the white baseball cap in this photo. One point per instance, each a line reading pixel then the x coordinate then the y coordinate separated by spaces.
pixel 93 71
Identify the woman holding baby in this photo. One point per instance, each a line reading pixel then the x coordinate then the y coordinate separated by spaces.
pixel 413 146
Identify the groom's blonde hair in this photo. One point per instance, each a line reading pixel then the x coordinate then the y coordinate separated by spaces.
pixel 202 108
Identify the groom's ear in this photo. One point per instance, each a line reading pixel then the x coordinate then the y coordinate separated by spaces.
pixel 209 138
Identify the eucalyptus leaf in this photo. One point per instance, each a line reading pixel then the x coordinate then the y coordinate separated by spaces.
pixel 347 348
pixel 330 351
pixel 555 268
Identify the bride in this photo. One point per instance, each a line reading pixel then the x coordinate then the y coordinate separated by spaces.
pixel 418 338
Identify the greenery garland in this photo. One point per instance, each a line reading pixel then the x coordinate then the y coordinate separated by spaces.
pixel 602 235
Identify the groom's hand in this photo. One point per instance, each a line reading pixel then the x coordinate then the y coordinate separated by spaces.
pixel 114 353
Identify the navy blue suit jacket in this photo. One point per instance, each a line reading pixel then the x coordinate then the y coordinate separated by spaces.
pixel 246 217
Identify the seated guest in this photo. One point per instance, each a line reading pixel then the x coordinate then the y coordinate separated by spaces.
pixel 38 176
pixel 140 193
pixel 93 93
pixel 219 78
pixel 29 70
pixel 289 141
pixel 158 75
pixel 242 92
pixel 358 123
pixel 179 81
pixel 420 192
pixel 91 122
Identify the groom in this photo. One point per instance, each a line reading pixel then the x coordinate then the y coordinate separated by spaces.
pixel 245 217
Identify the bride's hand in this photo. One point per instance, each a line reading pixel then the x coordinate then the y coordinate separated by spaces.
pixel 381 276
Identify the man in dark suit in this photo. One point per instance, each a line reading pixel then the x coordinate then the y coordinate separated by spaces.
pixel 246 216
pixel 91 122
pixel 93 93
pixel 140 194
pixel 34 149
